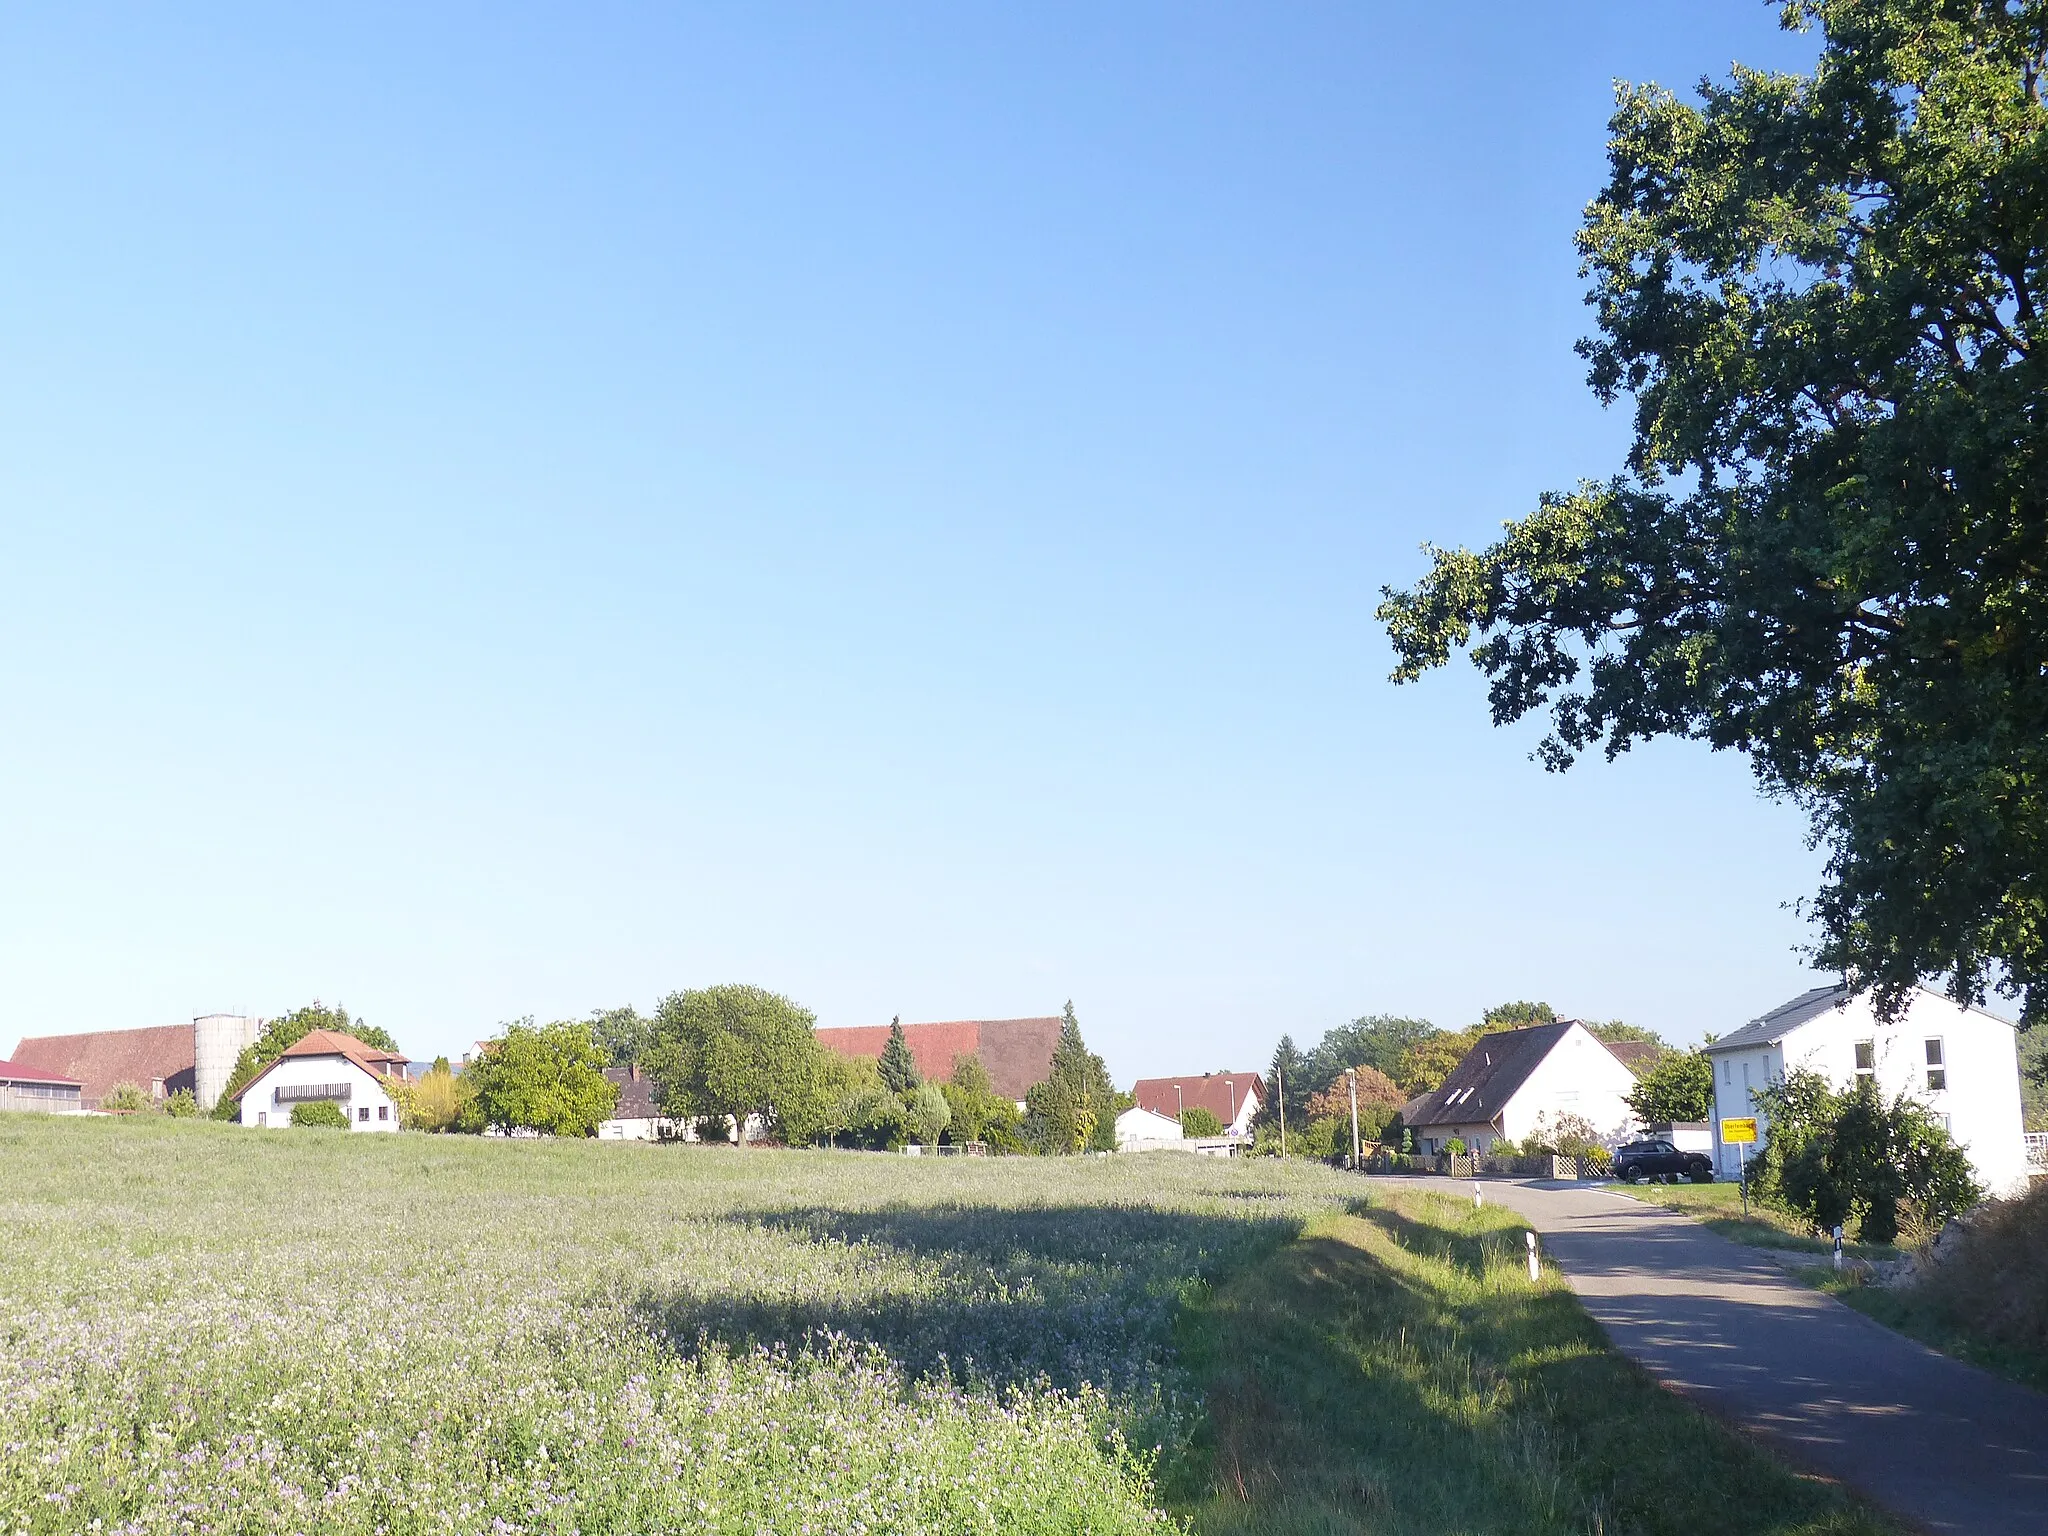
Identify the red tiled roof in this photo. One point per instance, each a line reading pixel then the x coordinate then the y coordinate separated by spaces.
pixel 332 1042
pixel 1221 1093
pixel 101 1060
pixel 1017 1052
pixel 15 1072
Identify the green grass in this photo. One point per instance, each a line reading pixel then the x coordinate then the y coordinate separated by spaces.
pixel 1397 1372
pixel 1926 1317
pixel 205 1328
pixel 1719 1206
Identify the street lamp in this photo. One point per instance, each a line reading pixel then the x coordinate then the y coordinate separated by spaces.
pixel 1351 1077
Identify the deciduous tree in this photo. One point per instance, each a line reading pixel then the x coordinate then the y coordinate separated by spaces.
pixel 548 1078
pixel 1828 547
pixel 743 1052
pixel 1678 1089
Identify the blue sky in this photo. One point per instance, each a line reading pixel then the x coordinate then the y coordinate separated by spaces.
pixel 510 510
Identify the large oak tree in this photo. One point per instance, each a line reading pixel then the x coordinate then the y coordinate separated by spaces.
pixel 1828 547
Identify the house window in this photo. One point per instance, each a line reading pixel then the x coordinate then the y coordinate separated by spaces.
pixel 363 1114
pixel 383 1111
pixel 1866 1058
pixel 1727 1071
pixel 1937 1069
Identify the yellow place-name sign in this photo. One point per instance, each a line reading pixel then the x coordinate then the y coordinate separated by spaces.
pixel 1733 1131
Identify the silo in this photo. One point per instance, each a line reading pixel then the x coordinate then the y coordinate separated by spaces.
pixel 218 1039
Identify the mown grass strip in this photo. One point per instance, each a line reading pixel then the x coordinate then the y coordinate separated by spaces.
pixel 1718 1207
pixel 1396 1371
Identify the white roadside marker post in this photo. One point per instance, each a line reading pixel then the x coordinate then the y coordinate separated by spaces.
pixel 1476 1201
pixel 1838 1248
pixel 1534 1272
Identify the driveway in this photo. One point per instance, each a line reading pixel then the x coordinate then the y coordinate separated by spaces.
pixel 1941 1443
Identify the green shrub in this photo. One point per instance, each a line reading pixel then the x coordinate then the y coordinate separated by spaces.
pixel 1837 1157
pixel 182 1105
pixel 1455 1146
pixel 321 1115
pixel 126 1099
pixel 1200 1122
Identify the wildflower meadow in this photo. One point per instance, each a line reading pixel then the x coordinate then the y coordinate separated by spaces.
pixel 214 1330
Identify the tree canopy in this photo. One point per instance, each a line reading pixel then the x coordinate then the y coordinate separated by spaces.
pixel 744 1052
pixel 1679 1089
pixel 1828 545
pixel 546 1077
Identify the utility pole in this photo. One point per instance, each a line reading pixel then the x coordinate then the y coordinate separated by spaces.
pixel 1351 1076
pixel 1280 1077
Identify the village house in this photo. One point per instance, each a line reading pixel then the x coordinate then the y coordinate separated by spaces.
pixel 1017 1053
pixel 1232 1097
pixel 25 1088
pixel 1522 1080
pixel 1962 1063
pixel 326 1067
pixel 635 1117
pixel 1141 1130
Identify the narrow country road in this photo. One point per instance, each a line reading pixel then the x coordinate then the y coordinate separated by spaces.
pixel 1941 1443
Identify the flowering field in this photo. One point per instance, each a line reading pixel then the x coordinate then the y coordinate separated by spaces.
pixel 207 1329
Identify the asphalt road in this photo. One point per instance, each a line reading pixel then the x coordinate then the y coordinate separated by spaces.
pixel 1941 1443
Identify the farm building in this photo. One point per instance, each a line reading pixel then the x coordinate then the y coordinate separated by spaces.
pixel 160 1060
pixel 1016 1052
pixel 1232 1097
pixel 1513 1079
pixel 326 1067
pixel 1962 1063
pixel 25 1088
pixel 1140 1130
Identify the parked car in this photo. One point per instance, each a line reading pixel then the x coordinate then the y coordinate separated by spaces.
pixel 1655 1160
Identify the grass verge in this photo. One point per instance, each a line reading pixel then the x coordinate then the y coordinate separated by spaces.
pixel 1396 1371
pixel 1929 1319
pixel 1719 1207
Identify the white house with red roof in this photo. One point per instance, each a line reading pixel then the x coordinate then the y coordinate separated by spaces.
pixel 328 1067
pixel 1232 1097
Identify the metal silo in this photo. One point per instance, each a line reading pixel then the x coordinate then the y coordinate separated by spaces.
pixel 217 1040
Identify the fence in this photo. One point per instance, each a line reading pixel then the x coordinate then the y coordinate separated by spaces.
pixel 2037 1150
pixel 1468 1167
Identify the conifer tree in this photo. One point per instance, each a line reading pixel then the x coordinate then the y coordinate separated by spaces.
pixel 899 1070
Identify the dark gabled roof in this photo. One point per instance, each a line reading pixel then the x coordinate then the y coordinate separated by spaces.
pixel 1783 1019
pixel 1480 1086
pixel 636 1094
pixel 1637 1055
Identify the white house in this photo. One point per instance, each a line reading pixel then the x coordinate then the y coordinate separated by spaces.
pixel 1512 1080
pixel 1232 1097
pixel 635 1117
pixel 326 1067
pixel 1962 1063
pixel 1140 1130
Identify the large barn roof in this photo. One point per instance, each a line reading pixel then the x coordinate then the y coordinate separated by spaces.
pixel 105 1058
pixel 1016 1052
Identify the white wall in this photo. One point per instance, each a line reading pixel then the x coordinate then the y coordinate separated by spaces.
pixel 1980 1102
pixel 1140 1130
pixel 260 1106
pixel 1579 1077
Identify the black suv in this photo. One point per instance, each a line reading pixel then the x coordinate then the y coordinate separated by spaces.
pixel 1655 1160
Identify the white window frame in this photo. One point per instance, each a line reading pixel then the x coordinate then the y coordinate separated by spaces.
pixel 1934 1054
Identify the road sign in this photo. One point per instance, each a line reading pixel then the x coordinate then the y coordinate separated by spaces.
pixel 1736 1131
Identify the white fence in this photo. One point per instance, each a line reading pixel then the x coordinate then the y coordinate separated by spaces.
pixel 2037 1150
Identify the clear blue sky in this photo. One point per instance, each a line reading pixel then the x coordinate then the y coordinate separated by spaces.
pixel 510 510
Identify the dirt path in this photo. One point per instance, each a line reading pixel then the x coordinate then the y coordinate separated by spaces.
pixel 1939 1442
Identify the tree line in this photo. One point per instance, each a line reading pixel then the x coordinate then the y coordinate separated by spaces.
pixel 735 1063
